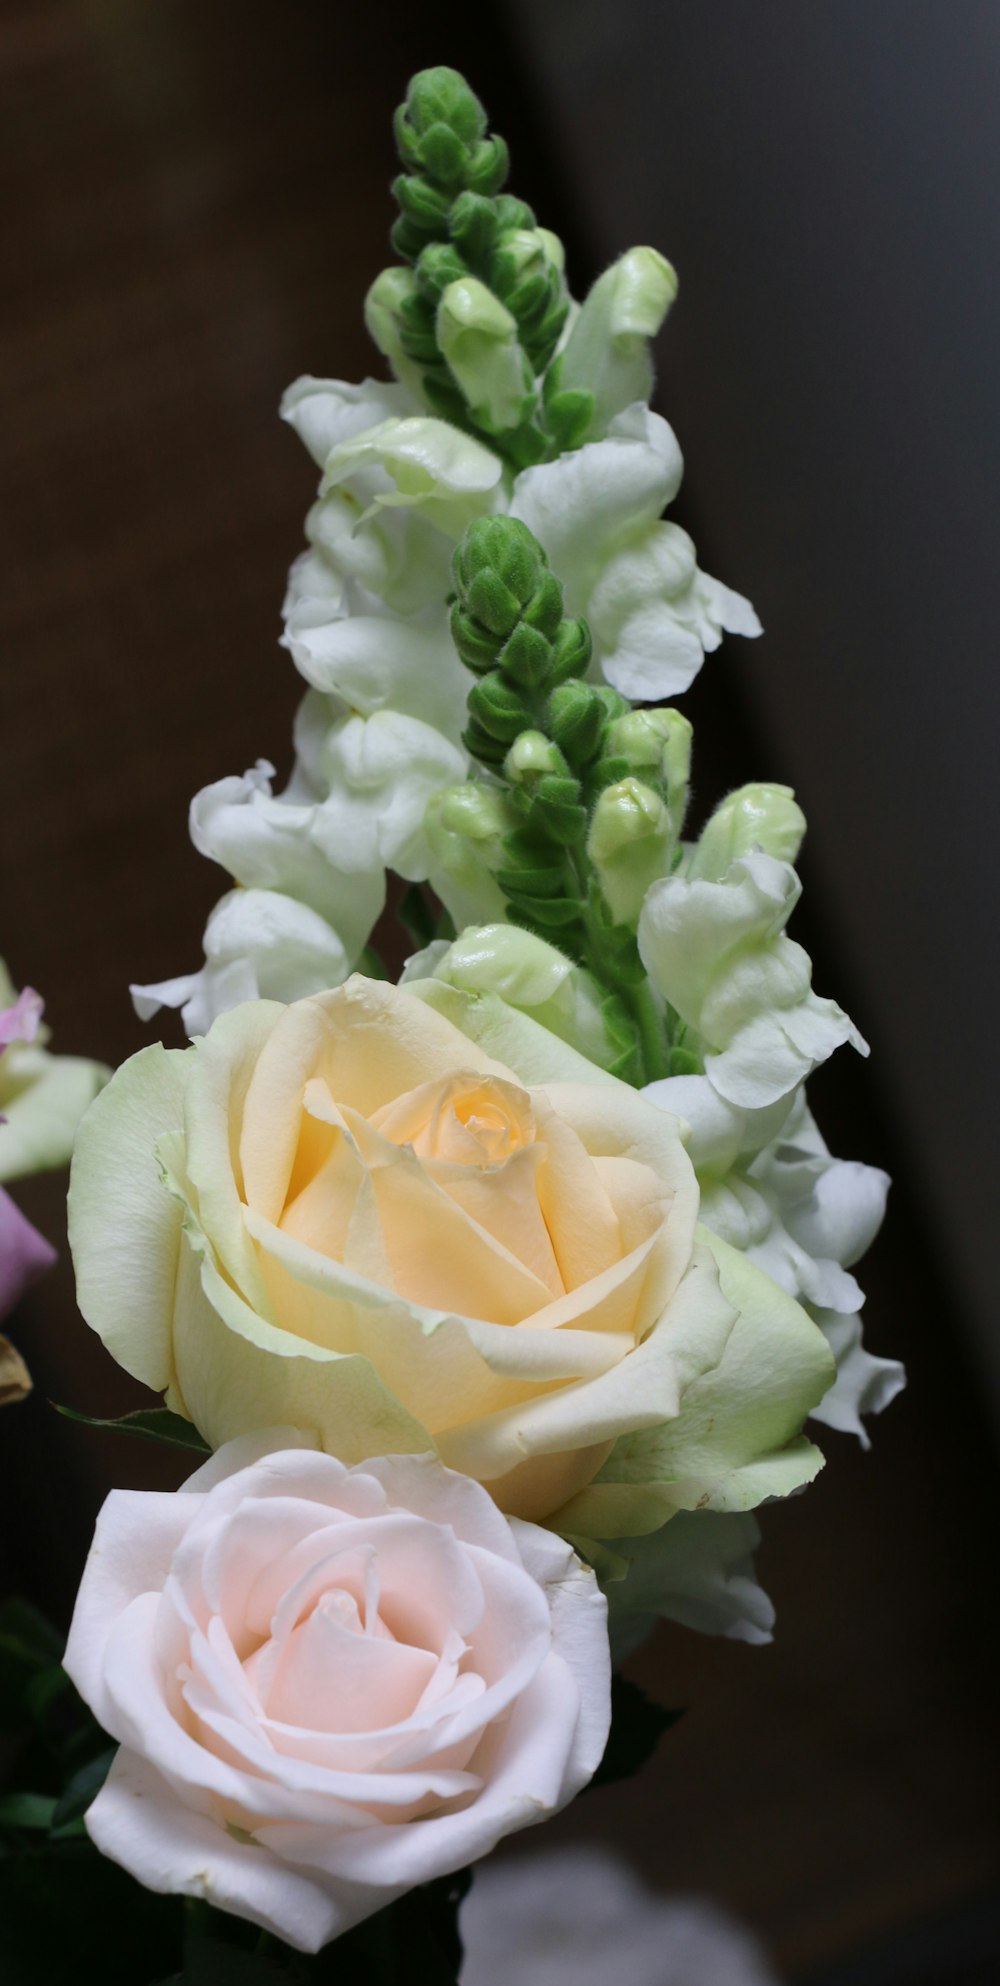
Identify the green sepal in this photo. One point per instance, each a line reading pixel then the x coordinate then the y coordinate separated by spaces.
pixel 498 708
pixel 438 265
pixel 550 913
pixel 684 1062
pixel 573 649
pixel 544 610
pixel 444 398
pixel 488 166
pixel 576 720
pixel 609 772
pixel 555 811
pixel 480 745
pixel 425 207
pixel 526 656
pixel 530 867
pixel 151 1423
pixel 474 223
pixel 568 417
pixel 476 646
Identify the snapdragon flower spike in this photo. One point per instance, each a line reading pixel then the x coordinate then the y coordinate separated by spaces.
pixel 485 306
pixel 588 837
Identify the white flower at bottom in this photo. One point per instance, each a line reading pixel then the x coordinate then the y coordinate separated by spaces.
pixel 330 1684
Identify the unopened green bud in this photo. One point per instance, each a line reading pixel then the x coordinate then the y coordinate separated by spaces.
pixel 439 106
pixel 531 756
pixel 423 205
pixel 498 708
pixel 475 812
pixel 577 719
pixel 487 166
pixel 656 739
pixel 756 816
pixel 526 271
pixel 627 844
pixel 531 868
pixel 478 339
pixel 474 224
pixel 573 650
pixel 476 646
pixel 499 567
pixel 526 656
pixel 439 264
pixel 556 810
pixel 607 353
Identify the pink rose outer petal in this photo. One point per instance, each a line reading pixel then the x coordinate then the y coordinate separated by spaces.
pixel 20 1022
pixel 24 1254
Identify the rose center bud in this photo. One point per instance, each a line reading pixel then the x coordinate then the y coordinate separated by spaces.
pixel 469 1119
pixel 340 1669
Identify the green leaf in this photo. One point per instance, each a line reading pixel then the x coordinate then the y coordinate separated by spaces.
pixel 27 1810
pixel 24 1630
pixel 81 1791
pixel 637 1725
pixel 152 1423
pixel 68 1915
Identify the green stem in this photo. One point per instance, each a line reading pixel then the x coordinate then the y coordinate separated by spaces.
pixel 652 1041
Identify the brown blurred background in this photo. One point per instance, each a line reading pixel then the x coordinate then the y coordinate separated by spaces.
pixel 195 200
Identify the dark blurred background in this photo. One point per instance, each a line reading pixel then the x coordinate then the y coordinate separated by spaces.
pixel 195 198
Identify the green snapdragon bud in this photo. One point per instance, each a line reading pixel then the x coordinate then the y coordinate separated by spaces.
pixel 498 567
pixel 441 133
pixel 628 844
pixel 526 272
pixel 477 337
pixel 577 719
pixel 474 813
pixel 438 265
pixel 656 743
pixel 756 816
pixel 500 711
pixel 546 791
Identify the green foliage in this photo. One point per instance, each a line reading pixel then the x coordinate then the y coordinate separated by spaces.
pixel 150 1423
pixel 637 1725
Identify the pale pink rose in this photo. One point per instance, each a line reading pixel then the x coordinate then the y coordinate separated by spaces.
pixel 330 1683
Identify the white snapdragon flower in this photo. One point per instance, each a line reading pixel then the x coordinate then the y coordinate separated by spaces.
pixel 698 1570
pixel 365 612
pixel 770 1187
pixel 259 945
pixel 311 860
pixel 598 512
pixel 717 951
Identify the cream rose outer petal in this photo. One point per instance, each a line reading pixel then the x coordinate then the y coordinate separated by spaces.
pixel 203 1638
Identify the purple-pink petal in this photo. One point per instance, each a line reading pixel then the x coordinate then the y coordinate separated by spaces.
pixel 20 1022
pixel 24 1254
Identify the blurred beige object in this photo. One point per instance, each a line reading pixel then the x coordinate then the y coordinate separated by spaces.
pixel 579 1917
pixel 15 1379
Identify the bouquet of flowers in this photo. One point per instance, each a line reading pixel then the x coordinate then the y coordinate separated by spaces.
pixel 492 1302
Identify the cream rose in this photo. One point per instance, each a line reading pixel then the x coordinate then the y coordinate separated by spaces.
pixel 345 1215
pixel 412 1219
pixel 330 1684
